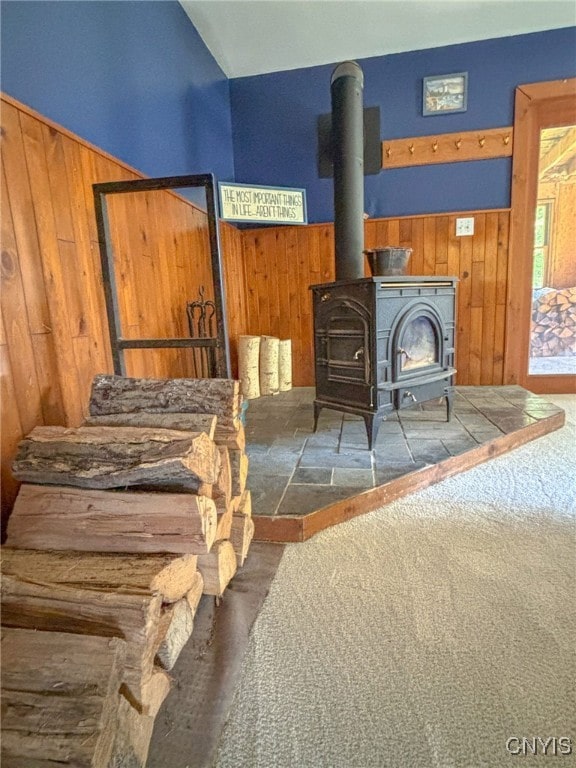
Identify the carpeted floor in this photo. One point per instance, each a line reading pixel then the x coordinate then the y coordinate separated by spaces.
pixel 426 633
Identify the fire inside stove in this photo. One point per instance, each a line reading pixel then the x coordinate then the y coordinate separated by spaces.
pixel 419 347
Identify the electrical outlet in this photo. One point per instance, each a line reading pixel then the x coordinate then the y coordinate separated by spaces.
pixel 465 226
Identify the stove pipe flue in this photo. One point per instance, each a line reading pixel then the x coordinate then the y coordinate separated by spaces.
pixel 346 88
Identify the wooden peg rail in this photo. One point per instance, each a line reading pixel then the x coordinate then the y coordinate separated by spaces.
pixel 447 148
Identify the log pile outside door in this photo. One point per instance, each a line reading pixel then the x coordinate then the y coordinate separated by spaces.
pixel 119 528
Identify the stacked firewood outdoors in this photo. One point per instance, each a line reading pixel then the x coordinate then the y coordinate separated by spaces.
pixel 553 332
pixel 119 528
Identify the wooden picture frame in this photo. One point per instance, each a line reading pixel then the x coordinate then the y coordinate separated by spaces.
pixel 445 94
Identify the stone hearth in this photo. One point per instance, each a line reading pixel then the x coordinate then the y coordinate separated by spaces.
pixel 303 482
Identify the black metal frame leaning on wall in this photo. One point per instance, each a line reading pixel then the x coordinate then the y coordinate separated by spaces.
pixel 117 343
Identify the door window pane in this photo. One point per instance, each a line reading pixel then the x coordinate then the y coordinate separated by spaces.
pixel 553 328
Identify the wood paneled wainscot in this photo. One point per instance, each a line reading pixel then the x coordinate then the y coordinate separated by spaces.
pixel 282 262
pixel 54 333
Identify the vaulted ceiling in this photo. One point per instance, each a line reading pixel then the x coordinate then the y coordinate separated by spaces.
pixel 252 37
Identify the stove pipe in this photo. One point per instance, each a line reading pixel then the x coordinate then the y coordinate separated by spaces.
pixel 346 87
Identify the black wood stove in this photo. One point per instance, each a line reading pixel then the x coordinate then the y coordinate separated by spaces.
pixel 382 344
pixel 386 342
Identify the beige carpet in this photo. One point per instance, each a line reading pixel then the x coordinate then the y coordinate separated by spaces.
pixel 426 633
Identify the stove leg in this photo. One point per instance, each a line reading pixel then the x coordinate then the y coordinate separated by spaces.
pixel 372 427
pixel 449 405
pixel 317 409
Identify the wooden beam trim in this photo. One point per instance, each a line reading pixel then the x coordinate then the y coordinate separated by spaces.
pixel 448 148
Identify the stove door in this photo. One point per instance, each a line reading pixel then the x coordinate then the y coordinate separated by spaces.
pixel 343 346
pixel 418 344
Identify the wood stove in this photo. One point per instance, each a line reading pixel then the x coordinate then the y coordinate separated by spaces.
pixel 382 344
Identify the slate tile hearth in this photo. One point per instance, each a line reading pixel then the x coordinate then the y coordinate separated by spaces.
pixel 294 471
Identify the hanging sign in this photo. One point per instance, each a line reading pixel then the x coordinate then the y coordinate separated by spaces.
pixel 262 205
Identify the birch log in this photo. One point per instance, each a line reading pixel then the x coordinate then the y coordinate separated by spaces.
pixel 59 698
pixel 169 576
pixel 269 384
pixel 248 366
pixel 285 365
pixel 118 457
pixel 61 518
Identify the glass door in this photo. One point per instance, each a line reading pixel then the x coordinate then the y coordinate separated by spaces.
pixel 540 310
pixel 552 343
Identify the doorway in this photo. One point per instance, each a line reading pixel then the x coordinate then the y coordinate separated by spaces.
pixel 541 318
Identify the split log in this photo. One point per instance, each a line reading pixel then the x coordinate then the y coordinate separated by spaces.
pixel 117 457
pixel 248 366
pixel 553 331
pixel 195 592
pixel 239 471
pixel 178 633
pixel 119 394
pixel 56 517
pixel 182 422
pixel 170 577
pixel 59 698
pixel 241 535
pixel 231 435
pixel 154 691
pixel 217 567
pixel 245 505
pixel 180 625
pixel 269 383
pixel 59 608
pixel 285 365
pixel 133 736
pixel 224 521
pixel 223 486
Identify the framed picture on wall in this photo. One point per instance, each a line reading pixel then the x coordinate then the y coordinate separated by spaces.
pixel 443 94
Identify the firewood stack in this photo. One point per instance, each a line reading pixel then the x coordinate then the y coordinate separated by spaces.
pixel 118 529
pixel 553 331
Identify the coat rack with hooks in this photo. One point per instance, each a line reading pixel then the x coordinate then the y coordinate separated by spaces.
pixel 447 147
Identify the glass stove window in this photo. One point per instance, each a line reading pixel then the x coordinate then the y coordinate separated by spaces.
pixel 418 345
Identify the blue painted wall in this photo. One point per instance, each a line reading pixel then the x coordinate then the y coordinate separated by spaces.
pixel 134 78
pixel 275 115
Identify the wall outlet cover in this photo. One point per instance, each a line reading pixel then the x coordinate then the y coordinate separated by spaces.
pixel 464 226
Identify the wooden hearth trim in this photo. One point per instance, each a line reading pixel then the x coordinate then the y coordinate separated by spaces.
pixel 298 528
pixel 448 147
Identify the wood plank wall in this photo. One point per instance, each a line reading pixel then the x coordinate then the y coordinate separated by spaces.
pixel 53 330
pixel 282 262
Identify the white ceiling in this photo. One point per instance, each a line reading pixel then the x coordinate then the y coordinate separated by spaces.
pixel 251 37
